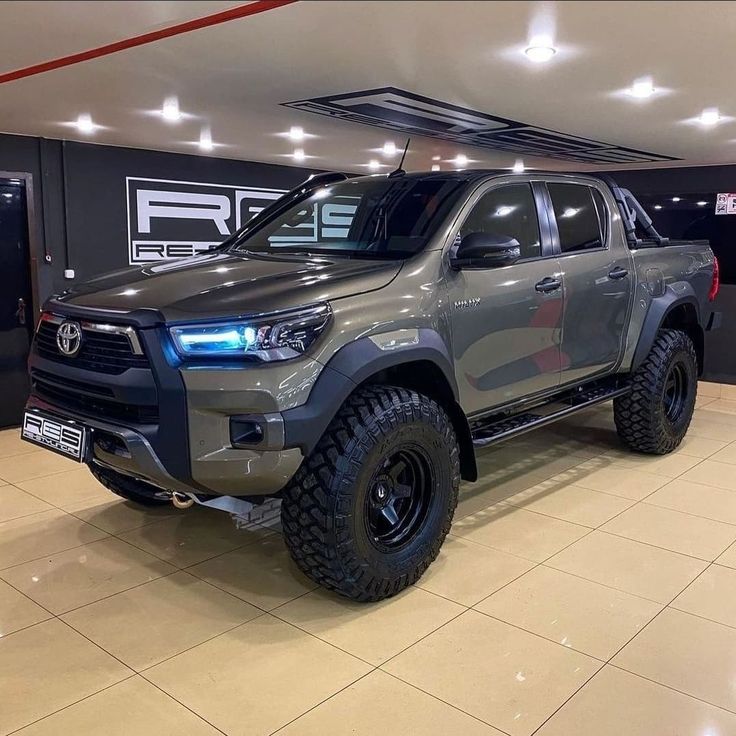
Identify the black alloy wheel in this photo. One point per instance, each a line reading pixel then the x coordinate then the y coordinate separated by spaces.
pixel 675 391
pixel 398 498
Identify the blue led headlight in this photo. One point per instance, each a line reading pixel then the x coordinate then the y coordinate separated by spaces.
pixel 269 337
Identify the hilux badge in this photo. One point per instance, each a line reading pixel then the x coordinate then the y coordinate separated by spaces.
pixel 69 338
pixel 467 303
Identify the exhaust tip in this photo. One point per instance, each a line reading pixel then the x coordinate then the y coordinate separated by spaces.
pixel 181 500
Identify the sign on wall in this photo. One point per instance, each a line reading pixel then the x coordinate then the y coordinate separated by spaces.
pixel 726 204
pixel 170 219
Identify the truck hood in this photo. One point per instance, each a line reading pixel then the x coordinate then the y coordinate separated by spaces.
pixel 218 285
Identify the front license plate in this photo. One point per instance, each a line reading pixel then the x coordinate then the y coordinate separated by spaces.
pixel 66 438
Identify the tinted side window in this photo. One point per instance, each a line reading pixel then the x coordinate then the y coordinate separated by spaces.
pixel 577 217
pixel 507 213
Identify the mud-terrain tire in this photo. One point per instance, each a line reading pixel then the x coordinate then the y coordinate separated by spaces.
pixel 369 509
pixel 128 488
pixel 654 417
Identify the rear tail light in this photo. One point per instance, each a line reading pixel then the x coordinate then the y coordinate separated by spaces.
pixel 715 284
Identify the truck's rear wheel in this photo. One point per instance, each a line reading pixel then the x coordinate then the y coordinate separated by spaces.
pixel 368 510
pixel 128 488
pixel 654 417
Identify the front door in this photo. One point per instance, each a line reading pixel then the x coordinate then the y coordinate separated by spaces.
pixel 597 278
pixel 15 302
pixel 506 322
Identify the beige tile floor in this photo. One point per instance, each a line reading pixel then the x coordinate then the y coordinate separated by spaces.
pixel 583 590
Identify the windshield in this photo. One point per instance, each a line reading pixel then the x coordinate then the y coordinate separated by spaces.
pixel 367 217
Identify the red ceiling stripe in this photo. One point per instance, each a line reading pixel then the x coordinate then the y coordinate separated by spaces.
pixel 241 11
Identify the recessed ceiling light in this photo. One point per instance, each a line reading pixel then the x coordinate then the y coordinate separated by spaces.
pixel 642 88
pixel 84 123
pixel 675 199
pixel 296 133
pixel 657 206
pixel 170 111
pixel 373 165
pixel 461 160
pixel 205 140
pixel 389 148
pixel 702 203
pixel 436 158
pixel 709 116
pixel 518 167
pixel 298 154
pixel 540 53
pixel 435 167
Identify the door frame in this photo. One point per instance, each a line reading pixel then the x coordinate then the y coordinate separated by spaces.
pixel 34 250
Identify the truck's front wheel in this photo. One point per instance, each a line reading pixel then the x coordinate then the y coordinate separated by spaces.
pixel 368 510
pixel 655 415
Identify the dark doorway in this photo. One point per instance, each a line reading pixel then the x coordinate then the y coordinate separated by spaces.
pixel 16 312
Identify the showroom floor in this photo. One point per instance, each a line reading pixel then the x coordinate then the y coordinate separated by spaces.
pixel 584 590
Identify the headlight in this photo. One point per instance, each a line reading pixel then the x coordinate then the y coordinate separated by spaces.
pixel 268 337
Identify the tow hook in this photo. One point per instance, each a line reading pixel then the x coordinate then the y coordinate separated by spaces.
pixel 181 500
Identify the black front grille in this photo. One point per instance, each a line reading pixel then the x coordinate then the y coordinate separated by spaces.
pixel 100 352
pixel 70 397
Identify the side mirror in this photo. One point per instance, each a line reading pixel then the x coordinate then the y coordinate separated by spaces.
pixel 483 250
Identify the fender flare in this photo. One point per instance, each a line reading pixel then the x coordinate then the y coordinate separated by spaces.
pixel 658 310
pixel 349 367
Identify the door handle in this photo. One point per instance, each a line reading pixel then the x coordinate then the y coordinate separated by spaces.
pixel 618 273
pixel 21 311
pixel 548 284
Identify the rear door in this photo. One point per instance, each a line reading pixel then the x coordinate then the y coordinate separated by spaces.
pixel 597 277
pixel 506 321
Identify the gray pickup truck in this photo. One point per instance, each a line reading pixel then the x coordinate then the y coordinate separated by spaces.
pixel 354 344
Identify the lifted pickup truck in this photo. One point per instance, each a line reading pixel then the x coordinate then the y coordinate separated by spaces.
pixel 350 348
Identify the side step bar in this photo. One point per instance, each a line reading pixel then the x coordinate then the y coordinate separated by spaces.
pixel 501 428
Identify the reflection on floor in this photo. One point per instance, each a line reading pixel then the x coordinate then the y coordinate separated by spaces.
pixel 584 590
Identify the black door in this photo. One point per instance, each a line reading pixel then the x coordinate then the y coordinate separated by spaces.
pixel 16 323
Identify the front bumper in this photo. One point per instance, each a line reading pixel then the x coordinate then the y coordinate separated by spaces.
pixel 240 472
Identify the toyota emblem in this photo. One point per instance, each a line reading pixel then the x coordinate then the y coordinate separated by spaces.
pixel 69 338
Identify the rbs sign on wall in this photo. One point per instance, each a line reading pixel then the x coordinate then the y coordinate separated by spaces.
pixel 174 219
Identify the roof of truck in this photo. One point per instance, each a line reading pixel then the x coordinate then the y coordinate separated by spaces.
pixel 475 174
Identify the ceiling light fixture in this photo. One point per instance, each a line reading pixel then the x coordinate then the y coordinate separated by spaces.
pixel 389 148
pixel 84 123
pixel 170 111
pixel 296 133
pixel 709 116
pixel 461 160
pixel 540 50
pixel 298 154
pixel 373 165
pixel 702 203
pixel 518 167
pixel 435 167
pixel 642 88
pixel 205 140
pixel 657 206
pixel 675 199
pixel 436 158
